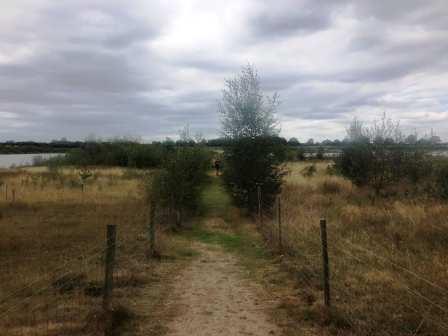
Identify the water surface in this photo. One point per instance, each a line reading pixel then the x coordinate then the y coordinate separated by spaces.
pixel 18 160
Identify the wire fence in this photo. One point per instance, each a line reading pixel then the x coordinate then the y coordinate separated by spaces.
pixel 80 296
pixel 371 293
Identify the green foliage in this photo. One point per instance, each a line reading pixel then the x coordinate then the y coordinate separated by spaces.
pixel 320 153
pixel 122 154
pixel 381 165
pixel 355 163
pixel 442 181
pixel 245 110
pixel 252 161
pixel 300 154
pixel 180 181
pixel 291 154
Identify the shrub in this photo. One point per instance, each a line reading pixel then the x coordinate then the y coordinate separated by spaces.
pixel 309 171
pixel 300 154
pixel 320 155
pixel 250 162
pixel 122 154
pixel 354 163
pixel 179 182
pixel 382 166
pixel 442 181
pixel 330 170
pixel 291 155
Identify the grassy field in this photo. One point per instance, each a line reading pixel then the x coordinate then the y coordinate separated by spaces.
pixel 388 257
pixel 52 241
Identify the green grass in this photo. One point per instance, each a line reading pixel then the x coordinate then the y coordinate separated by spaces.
pixel 235 242
pixel 215 199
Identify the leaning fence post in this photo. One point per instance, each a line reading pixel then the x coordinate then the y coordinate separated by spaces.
pixel 326 269
pixel 109 266
pixel 279 221
pixel 151 228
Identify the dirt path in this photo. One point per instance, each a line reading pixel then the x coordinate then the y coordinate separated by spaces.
pixel 214 298
pixel 213 291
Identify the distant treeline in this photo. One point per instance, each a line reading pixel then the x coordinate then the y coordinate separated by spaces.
pixel 31 147
pixel 329 146
pixel 121 154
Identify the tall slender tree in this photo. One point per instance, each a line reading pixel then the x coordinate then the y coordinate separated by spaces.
pixel 245 110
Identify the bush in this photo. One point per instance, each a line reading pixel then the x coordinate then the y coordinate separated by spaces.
pixel 309 171
pixel 301 154
pixel 122 154
pixel 354 163
pixel 179 183
pixel 442 181
pixel 291 154
pixel 250 162
pixel 320 155
pixel 380 165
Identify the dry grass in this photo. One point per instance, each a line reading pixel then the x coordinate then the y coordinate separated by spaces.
pixel 51 246
pixel 388 258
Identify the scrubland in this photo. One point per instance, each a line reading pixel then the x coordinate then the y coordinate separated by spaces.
pixel 388 256
pixel 52 244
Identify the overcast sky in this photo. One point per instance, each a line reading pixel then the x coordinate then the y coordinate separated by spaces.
pixel 70 68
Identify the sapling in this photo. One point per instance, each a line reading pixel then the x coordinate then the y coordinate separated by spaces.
pixel 84 174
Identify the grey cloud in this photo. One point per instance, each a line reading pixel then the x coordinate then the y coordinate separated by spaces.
pixel 288 17
pixel 93 67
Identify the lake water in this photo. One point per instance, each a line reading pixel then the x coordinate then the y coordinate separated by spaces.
pixel 8 160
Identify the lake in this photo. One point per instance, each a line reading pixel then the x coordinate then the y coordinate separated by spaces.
pixel 8 160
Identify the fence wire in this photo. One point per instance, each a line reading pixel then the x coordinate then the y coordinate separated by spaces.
pixel 369 291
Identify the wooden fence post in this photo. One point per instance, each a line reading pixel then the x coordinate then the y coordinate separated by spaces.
pixel 326 268
pixel 151 228
pixel 259 201
pixel 109 266
pixel 6 192
pixel 13 192
pixel 279 222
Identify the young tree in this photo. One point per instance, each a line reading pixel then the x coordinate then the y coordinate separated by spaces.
pixel 293 142
pixel 255 151
pixel 179 182
pixel 374 156
pixel 252 162
pixel 310 142
pixel 244 110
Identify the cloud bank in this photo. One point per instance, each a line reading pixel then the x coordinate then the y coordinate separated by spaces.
pixel 146 68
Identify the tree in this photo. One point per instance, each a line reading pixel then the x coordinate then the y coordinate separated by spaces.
pixel 179 182
pixel 252 162
pixel 320 155
pixel 442 181
pixel 293 142
pixel 255 151
pixel 411 139
pixel 374 157
pixel 310 142
pixel 355 132
pixel 244 110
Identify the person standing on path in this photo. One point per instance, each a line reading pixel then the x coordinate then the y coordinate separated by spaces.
pixel 217 166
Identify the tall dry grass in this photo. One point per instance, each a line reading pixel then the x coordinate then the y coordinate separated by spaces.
pixel 388 257
pixel 52 239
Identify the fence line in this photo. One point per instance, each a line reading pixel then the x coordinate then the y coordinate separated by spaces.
pixel 64 298
pixel 296 239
